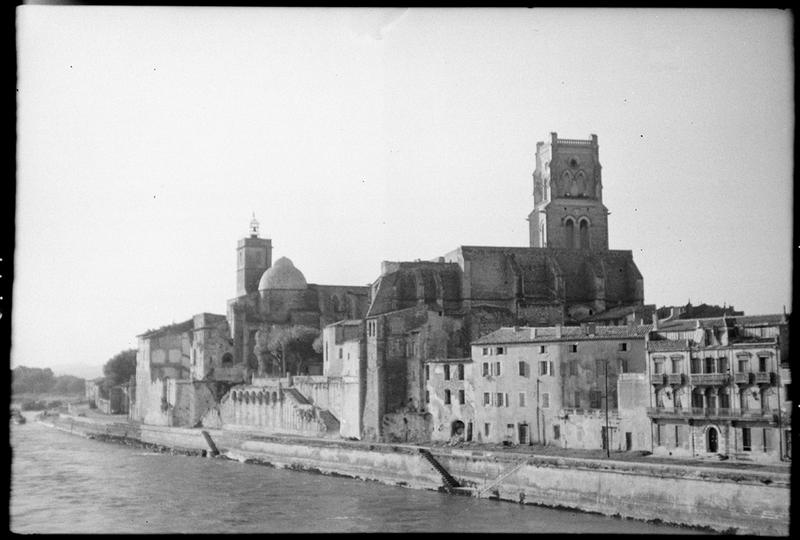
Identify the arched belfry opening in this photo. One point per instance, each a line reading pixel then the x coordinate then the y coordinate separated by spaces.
pixel 583 238
pixel 569 234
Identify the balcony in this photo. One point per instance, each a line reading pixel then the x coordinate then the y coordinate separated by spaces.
pixel 765 377
pixel 710 379
pixel 676 378
pixel 744 378
pixel 658 378
pixel 717 414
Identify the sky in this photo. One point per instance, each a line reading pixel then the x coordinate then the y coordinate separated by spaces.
pixel 149 136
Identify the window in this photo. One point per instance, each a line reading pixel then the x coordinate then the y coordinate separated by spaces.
pixel 486 429
pixel 485 351
pixel 787 392
pixel 723 364
pixel 446 372
pixel 709 365
pixel 499 402
pixel 595 399
pixel 523 369
pixel 744 365
pixel 461 397
pixel 577 400
pixel 522 399
pixel 545 401
pixel 623 366
pixel 746 441
pixel 599 367
pixel 501 350
pixel 542 349
pixel 460 372
pixel 623 346
pixel 486 369
pixel 427 396
pixel 507 401
pixel 427 372
pixel 227 359
pixel 497 368
pixel 677 362
pixel 487 399
pixel 762 364
pixel 696 365
pixel 573 347
pixel 543 365
pixel 340 352
pixel 556 432
pixel 677 437
pixel 573 367
pixel 447 397
pixel 658 368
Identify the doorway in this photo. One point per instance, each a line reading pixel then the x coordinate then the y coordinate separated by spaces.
pixel 523 434
pixel 712 437
pixel 457 429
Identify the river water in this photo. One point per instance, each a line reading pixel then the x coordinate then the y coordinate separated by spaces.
pixel 62 483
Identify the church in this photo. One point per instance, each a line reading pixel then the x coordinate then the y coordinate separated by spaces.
pixel 413 312
pixel 423 310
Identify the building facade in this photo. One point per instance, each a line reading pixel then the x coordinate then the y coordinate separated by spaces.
pixel 721 386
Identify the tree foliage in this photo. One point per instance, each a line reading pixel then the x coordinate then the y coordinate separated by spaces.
pixel 120 368
pixel 27 380
pixel 289 346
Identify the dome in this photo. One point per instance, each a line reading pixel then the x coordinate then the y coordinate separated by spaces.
pixel 282 275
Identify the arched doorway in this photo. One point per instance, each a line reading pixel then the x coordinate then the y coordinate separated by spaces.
pixel 711 439
pixel 457 429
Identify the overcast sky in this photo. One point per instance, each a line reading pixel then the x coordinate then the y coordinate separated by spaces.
pixel 148 136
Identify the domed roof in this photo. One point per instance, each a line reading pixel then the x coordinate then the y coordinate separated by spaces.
pixel 282 275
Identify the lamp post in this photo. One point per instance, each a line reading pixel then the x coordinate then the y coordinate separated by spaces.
pixel 608 433
pixel 538 431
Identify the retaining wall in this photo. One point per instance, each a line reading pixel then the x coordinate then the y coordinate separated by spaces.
pixel 723 499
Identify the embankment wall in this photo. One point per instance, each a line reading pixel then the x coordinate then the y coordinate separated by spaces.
pixel 749 502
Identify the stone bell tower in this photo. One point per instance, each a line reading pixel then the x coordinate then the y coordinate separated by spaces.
pixel 254 256
pixel 568 207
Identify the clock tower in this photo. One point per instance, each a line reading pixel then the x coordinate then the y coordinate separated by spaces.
pixel 254 256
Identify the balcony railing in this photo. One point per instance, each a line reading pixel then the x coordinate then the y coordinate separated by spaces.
pixel 676 378
pixel 710 378
pixel 744 378
pixel 719 413
pixel 765 377
pixel 658 378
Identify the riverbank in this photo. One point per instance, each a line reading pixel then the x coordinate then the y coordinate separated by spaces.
pixel 715 497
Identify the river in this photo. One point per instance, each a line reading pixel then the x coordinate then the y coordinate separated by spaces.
pixel 62 483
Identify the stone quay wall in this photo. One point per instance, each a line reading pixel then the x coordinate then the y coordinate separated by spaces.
pixel 721 499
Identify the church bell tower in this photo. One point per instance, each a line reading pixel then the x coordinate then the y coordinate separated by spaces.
pixel 253 257
pixel 568 207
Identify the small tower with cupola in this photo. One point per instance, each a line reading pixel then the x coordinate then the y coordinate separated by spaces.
pixel 253 258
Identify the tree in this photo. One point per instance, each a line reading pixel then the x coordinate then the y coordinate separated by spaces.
pixel 286 349
pixel 120 368
pixel 33 380
pixel 69 384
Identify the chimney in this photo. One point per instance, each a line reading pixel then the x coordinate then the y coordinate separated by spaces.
pixel 558 331
pixel 655 320
pixel 533 332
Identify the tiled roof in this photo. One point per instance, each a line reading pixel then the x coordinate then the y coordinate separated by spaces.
pixel 448 360
pixel 568 333
pixel 668 345
pixel 347 322
pixel 679 325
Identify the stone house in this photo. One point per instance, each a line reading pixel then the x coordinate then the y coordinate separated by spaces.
pixel 557 385
pixel 721 386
